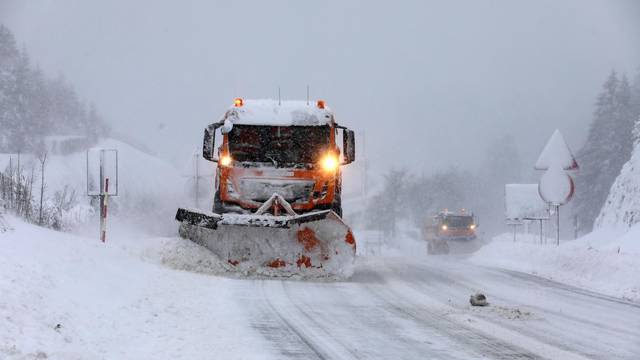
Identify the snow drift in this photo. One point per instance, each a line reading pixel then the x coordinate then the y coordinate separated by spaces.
pixel 70 297
pixel 605 261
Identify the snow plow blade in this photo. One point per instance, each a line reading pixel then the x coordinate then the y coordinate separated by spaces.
pixel 316 244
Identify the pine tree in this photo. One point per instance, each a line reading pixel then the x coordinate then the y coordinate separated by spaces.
pixel 9 56
pixel 607 149
pixel 33 107
pixel 635 94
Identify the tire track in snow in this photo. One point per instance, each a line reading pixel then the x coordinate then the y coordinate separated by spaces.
pixel 475 342
pixel 311 332
pixel 624 329
pixel 268 321
pixel 547 333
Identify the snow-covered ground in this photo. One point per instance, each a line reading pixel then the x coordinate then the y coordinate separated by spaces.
pixel 72 297
pixel 606 261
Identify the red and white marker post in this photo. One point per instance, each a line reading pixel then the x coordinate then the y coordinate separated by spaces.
pixel 104 201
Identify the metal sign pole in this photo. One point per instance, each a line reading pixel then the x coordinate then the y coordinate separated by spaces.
pixel 102 198
pixel 557 225
pixel 103 218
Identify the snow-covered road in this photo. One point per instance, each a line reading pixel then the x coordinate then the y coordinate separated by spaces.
pixel 71 297
pixel 416 309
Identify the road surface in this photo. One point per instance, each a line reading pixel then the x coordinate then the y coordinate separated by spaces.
pixel 399 308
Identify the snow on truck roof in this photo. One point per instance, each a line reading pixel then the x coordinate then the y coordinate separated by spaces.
pixel 279 113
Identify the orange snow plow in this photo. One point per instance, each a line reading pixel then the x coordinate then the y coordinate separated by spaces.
pixel 448 232
pixel 277 206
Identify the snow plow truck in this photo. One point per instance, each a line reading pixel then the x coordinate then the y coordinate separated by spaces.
pixel 277 204
pixel 448 232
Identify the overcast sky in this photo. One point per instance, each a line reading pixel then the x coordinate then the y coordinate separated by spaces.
pixel 430 83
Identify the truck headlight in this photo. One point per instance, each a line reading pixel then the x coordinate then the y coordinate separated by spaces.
pixel 444 227
pixel 225 160
pixel 472 226
pixel 330 162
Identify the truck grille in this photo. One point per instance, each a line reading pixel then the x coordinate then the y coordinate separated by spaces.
pixel 292 190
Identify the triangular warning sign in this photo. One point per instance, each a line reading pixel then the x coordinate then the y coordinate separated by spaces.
pixel 556 154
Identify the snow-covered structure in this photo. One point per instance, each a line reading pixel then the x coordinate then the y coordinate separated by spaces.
pixel 522 202
pixel 622 207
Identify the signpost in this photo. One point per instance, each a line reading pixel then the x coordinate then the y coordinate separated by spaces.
pixel 102 181
pixel 556 187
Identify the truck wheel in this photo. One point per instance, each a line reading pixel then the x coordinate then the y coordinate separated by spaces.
pixel 218 206
pixel 444 248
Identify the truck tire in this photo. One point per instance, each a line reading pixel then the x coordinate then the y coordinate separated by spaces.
pixel 218 205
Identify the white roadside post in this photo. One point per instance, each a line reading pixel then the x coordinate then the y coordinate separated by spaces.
pixel 556 186
pixel 102 169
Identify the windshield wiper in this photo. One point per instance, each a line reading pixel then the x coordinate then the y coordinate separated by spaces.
pixel 275 163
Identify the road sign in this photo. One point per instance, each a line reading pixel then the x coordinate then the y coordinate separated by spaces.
pixel 523 202
pixel 556 154
pixel 556 187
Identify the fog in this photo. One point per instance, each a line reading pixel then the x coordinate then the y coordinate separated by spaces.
pixel 428 84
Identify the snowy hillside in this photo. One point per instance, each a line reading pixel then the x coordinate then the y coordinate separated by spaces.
pixel 622 207
pixel 149 188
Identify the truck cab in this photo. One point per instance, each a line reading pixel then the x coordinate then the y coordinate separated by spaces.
pixel 285 147
pixel 447 228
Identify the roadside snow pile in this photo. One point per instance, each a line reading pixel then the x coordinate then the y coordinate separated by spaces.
pixel 605 261
pixel 622 207
pixel 69 297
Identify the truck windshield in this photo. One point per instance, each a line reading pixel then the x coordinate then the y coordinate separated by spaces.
pixel 280 145
pixel 458 221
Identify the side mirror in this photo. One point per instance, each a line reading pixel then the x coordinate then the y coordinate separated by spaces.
pixel 349 146
pixel 209 142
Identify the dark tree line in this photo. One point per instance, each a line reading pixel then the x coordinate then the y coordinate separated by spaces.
pixel 608 146
pixel 33 106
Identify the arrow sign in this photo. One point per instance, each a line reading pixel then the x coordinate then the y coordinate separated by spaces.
pixel 556 154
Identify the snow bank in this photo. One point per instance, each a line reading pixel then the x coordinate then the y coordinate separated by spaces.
pixel 69 297
pixel 622 207
pixel 605 261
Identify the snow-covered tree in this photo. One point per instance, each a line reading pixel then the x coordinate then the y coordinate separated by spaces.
pixel 607 149
pixel 386 208
pixel 622 207
pixel 426 195
pixel 9 56
pixel 32 106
